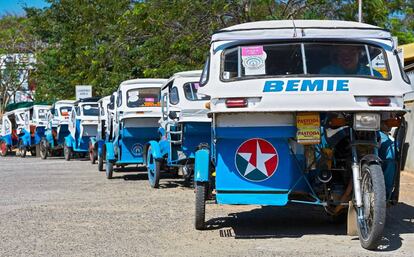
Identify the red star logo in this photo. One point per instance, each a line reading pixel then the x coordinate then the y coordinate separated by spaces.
pixel 256 159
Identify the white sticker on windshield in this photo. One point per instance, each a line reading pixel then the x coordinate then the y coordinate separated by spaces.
pixel 133 96
pixel 253 59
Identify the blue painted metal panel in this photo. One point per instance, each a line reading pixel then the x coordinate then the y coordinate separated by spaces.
pixel 229 179
pixel 49 137
pixel 277 199
pixel 110 154
pixel 202 166
pixel 389 165
pixel 63 132
pixel 132 142
pixel 25 137
pixel 39 134
pixel 69 141
pixel 155 149
pixel 195 133
pixel 9 140
pixel 101 143
pixel 82 145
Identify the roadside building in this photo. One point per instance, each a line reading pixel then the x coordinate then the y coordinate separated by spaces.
pixel 408 51
pixel 15 75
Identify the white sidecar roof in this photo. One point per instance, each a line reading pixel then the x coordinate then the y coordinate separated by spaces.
pixel 289 29
pixel 105 100
pixel 141 83
pixel 59 103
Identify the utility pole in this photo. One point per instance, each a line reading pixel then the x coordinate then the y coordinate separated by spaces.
pixel 359 10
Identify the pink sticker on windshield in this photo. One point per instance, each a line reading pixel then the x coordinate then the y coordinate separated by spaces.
pixel 149 99
pixel 252 50
pixel 196 85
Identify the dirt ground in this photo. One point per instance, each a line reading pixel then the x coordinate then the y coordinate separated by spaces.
pixel 58 208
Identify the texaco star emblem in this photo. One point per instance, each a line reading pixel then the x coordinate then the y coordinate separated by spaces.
pixel 256 159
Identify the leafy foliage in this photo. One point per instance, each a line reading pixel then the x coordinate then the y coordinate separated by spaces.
pixel 103 42
pixel 16 46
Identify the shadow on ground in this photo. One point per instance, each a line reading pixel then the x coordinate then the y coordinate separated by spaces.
pixel 295 221
pixel 168 180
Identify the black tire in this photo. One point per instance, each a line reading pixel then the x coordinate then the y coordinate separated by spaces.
pixel 100 163
pixel 200 206
pixel 33 152
pixel 155 182
pixel 43 149
pixel 109 170
pixel 67 152
pixel 370 230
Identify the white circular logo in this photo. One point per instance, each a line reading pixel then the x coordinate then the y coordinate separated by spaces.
pixel 137 149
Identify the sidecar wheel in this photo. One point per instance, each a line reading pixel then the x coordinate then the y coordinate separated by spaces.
pixel 370 229
pixel 153 168
pixel 100 163
pixel 109 170
pixel 200 206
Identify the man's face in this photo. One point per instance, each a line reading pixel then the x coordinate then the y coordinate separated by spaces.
pixel 348 57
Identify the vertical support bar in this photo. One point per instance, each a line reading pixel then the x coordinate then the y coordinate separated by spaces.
pixel 369 60
pixel 239 61
pixel 356 174
pixel 305 68
pixel 359 10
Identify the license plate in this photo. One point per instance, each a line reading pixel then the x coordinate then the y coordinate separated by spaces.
pixel 308 128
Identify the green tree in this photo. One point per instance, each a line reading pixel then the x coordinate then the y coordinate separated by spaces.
pixel 17 46
pixel 103 42
pixel 80 50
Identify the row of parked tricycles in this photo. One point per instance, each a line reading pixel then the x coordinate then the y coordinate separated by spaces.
pixel 308 112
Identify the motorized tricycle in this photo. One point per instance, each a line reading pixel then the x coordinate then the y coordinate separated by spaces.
pixel 183 127
pixel 137 111
pixel 97 142
pixel 33 130
pixel 302 112
pixel 57 129
pixel 83 123
pixel 12 124
pixel 105 128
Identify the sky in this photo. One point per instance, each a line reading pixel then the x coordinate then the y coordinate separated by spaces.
pixel 16 6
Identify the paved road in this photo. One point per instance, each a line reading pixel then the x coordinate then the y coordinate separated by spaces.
pixel 59 208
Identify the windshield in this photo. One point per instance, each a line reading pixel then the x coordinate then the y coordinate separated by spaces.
pixel 191 92
pixel 65 110
pixel 323 59
pixel 90 110
pixel 143 97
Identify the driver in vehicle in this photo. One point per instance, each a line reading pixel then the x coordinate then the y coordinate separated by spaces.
pixel 347 62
